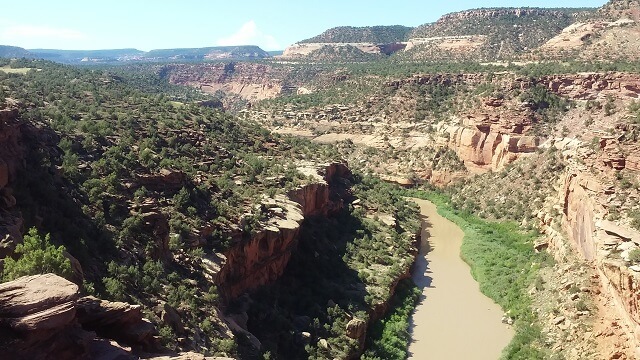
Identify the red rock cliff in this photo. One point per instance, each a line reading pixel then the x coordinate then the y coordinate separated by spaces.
pixel 262 258
pixel 603 242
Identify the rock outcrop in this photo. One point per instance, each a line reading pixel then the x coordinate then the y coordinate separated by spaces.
pixel 489 149
pixel 37 319
pixel 116 320
pixel 44 317
pixel 594 86
pixel 261 258
pixel 249 81
pixel 165 179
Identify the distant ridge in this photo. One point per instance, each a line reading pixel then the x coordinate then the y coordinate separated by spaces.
pixel 208 53
pixel 366 34
pixel 110 56
pixel 14 52
pixel 73 56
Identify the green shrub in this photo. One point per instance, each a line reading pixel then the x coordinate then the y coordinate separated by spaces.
pixel 389 338
pixel 635 219
pixel 634 255
pixel 37 256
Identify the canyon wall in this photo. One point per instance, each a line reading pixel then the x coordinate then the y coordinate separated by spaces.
pixel 249 81
pixel 585 214
pixel 262 257
pixel 12 155
pixel 604 242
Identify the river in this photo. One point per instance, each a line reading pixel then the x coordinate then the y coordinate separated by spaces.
pixel 453 319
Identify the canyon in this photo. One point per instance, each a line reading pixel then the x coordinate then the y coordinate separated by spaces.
pixel 490 136
pixel 207 207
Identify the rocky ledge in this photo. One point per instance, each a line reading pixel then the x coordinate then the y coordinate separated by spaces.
pixel 44 317
pixel 261 258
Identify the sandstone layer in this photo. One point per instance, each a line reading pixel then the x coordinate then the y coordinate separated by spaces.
pixel 262 257
pixel 588 202
pixel 44 317
pixel 249 81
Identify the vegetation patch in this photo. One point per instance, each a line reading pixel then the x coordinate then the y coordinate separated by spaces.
pixel 36 255
pixel 389 337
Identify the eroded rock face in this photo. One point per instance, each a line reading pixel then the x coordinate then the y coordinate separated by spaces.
pixel 596 238
pixel 262 258
pixel 493 150
pixel 250 81
pixel 37 318
pixel 43 317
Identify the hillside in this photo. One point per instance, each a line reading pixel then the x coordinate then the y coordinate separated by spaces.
pixel 14 52
pixel 488 34
pixel 162 201
pixel 610 33
pixel 616 9
pixel 366 34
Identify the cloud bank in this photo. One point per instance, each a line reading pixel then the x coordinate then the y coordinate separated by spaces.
pixel 34 36
pixel 249 34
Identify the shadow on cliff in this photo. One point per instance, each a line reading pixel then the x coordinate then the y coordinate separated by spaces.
pixel 315 280
pixel 53 204
pixel 421 273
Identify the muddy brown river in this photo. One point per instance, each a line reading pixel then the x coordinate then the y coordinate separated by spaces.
pixel 453 319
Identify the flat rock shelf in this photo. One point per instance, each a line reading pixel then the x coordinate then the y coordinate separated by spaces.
pixel 453 319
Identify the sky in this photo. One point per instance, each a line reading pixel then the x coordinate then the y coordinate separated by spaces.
pixel 163 24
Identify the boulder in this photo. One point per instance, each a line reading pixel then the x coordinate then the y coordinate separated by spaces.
pixel 187 356
pixel 356 328
pixel 37 319
pixel 117 320
pixel 29 302
pixel 171 318
pixel 614 229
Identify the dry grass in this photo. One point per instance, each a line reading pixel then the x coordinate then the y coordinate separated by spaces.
pixel 9 70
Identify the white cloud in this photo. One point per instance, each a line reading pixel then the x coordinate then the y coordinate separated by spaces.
pixel 249 34
pixel 37 36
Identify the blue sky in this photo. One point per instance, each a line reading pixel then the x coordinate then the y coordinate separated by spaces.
pixel 272 24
